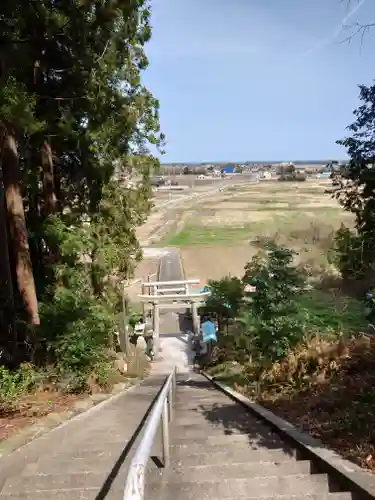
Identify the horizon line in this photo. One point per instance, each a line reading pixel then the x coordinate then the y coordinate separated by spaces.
pixel 177 163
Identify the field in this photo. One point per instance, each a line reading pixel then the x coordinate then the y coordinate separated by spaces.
pixel 192 181
pixel 220 235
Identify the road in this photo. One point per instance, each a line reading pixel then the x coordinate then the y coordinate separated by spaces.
pixel 170 268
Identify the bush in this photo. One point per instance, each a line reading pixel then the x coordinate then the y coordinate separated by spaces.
pixel 225 299
pixel 299 177
pixel 77 328
pixel 267 322
pixel 14 384
pixel 354 257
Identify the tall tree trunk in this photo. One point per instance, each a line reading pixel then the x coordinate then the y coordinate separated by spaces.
pixel 50 201
pixel 17 227
pixel 8 334
pixel 49 193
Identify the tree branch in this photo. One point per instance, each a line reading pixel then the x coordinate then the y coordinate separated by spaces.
pixel 358 29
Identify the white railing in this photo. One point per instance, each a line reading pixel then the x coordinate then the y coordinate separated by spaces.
pixel 161 413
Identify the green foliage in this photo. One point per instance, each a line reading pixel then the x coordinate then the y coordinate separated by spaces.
pixel 331 314
pixel 134 318
pixel 275 324
pixel 276 279
pixel 75 83
pixel 77 328
pixel 354 188
pixel 17 106
pixel 265 322
pixel 14 384
pixel 350 251
pixel 225 298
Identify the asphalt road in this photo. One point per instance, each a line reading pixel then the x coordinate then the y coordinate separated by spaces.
pixel 170 268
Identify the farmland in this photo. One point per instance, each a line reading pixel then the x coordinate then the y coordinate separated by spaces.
pixel 222 233
pixel 218 232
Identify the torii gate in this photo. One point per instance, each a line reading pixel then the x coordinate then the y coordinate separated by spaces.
pixel 171 295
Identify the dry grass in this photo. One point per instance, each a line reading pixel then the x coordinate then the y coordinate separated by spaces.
pixel 214 262
pixel 226 231
pixel 324 387
pixel 334 400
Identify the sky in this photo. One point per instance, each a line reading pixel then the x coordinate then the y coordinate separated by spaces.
pixel 257 80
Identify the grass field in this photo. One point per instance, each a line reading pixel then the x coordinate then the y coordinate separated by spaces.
pixel 223 234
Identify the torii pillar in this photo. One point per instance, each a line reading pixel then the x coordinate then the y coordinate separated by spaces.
pixel 195 318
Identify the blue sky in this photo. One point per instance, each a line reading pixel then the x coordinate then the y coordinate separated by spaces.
pixel 257 79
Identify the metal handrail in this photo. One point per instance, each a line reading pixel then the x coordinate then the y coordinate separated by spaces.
pixel 161 412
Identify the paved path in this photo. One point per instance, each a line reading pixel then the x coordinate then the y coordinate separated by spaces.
pixel 174 339
pixel 85 458
pixel 170 267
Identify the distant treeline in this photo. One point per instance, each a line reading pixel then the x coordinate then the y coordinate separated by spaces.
pixel 179 165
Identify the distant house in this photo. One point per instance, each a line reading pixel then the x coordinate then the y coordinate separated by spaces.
pixel 228 169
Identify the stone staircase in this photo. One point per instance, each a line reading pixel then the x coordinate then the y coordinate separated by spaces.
pixel 221 452
pixel 86 458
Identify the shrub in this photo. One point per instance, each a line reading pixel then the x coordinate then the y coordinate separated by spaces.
pixel 14 384
pixel 353 255
pixel 78 329
pixel 225 299
pixel 299 177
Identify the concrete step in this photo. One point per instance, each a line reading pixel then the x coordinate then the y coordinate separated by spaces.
pixel 223 414
pixel 250 428
pixel 257 488
pixel 54 482
pixel 182 457
pixel 225 428
pixel 197 406
pixel 87 450
pixel 173 493
pixel 155 493
pixel 221 439
pixel 194 431
pixel 234 447
pixel 97 464
pixel 78 494
pixel 194 398
pixel 235 470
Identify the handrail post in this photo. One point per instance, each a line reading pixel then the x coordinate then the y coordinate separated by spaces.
pixel 174 381
pixel 170 402
pixel 161 412
pixel 165 435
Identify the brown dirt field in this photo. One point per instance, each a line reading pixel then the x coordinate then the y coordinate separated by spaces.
pixel 213 262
